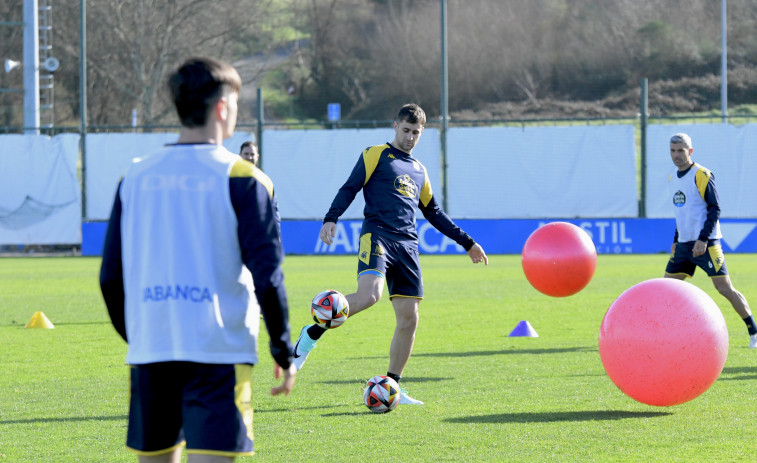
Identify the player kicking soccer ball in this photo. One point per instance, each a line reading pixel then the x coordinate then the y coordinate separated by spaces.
pixel 395 185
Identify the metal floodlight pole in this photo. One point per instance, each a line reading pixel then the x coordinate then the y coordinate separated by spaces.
pixel 724 61
pixel 31 66
pixel 444 107
pixel 644 122
pixel 259 134
pixel 83 104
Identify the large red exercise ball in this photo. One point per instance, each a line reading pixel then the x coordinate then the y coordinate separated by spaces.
pixel 663 342
pixel 559 259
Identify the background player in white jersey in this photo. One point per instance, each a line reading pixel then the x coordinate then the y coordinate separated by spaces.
pixel 697 237
pixel 395 185
pixel 192 255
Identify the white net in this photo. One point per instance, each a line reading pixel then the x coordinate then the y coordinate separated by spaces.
pixel 29 213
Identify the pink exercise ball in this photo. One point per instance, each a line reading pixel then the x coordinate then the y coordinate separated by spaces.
pixel 559 259
pixel 663 342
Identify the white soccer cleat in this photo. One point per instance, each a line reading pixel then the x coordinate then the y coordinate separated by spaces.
pixel 753 341
pixel 303 347
pixel 407 400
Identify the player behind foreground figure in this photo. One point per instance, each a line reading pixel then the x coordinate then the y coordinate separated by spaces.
pixel 394 185
pixel 192 254
pixel 697 237
pixel 249 151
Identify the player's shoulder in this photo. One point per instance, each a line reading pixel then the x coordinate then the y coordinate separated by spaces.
pixel 372 155
pixel 702 170
pixel 246 170
pixel 375 150
pixel 703 176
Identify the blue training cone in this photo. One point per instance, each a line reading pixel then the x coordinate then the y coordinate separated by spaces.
pixel 524 329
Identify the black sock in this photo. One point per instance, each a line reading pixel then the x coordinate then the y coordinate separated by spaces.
pixel 315 332
pixel 397 378
pixel 750 325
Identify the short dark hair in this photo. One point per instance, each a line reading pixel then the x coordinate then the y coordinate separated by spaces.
pixel 246 144
pixel 412 113
pixel 197 85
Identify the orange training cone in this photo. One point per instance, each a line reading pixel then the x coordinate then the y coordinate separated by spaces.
pixel 39 320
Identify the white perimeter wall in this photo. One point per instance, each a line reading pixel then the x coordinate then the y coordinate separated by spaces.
pixel 533 172
pixel 40 199
pixel 493 172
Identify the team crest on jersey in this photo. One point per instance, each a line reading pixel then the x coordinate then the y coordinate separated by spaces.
pixel 378 250
pixel 679 199
pixel 406 186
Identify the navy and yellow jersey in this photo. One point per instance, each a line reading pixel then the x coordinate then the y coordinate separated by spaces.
pixel 697 207
pixel 259 231
pixel 175 237
pixel 395 185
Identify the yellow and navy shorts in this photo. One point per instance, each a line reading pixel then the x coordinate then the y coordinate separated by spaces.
pixel 205 407
pixel 712 261
pixel 399 263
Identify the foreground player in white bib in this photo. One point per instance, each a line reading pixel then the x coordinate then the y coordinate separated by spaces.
pixel 697 238
pixel 192 254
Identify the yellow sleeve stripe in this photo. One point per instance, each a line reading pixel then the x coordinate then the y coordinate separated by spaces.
pixel 426 193
pixel 702 178
pixel 242 168
pixel 371 158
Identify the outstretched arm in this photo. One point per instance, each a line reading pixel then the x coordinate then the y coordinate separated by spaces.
pixel 446 226
pixel 441 221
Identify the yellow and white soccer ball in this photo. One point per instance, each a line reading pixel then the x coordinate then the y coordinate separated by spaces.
pixel 381 394
pixel 330 309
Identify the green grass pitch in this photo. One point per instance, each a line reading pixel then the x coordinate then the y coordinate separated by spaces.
pixel 489 397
